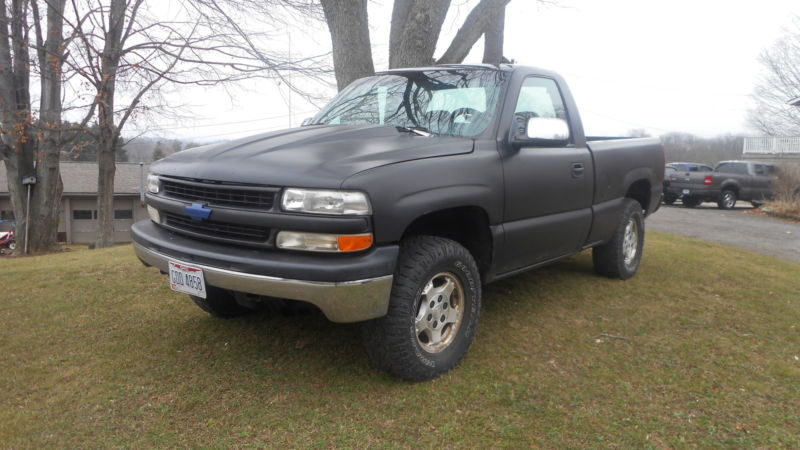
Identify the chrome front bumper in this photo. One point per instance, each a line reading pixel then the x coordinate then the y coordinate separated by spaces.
pixel 348 301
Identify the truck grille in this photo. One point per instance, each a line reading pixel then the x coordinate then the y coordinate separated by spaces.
pixel 249 197
pixel 217 230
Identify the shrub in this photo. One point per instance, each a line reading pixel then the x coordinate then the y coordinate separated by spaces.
pixel 786 191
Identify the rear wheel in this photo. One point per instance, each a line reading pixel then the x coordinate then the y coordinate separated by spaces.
pixel 727 200
pixel 620 257
pixel 220 303
pixel 690 202
pixel 433 311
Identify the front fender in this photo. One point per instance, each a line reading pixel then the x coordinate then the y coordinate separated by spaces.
pixel 400 193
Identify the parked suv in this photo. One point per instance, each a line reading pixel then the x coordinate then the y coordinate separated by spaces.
pixel 393 207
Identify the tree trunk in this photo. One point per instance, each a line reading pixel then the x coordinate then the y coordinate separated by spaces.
pixel 473 28
pixel 105 190
pixel 400 12
pixel 493 39
pixel 14 153
pixel 20 146
pixel 46 198
pixel 352 53
pixel 421 22
pixel 106 167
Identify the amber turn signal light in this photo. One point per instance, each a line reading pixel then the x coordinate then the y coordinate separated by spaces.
pixel 354 242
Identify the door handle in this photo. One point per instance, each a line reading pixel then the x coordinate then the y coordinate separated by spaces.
pixel 577 170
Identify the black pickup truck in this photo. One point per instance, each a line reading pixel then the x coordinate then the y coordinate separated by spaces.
pixel 729 182
pixel 394 206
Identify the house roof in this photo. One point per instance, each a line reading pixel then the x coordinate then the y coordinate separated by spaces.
pixel 81 178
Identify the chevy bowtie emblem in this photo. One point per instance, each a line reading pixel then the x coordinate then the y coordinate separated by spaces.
pixel 197 211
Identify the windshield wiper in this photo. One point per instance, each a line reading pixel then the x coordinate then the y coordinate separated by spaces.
pixel 419 131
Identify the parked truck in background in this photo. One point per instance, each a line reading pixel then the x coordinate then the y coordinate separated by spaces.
pixel 674 169
pixel 394 206
pixel 729 182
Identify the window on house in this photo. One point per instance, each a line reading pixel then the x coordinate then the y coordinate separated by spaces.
pixel 123 214
pixel 6 215
pixel 84 214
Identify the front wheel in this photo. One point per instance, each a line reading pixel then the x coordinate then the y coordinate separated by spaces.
pixel 620 257
pixel 12 246
pixel 433 311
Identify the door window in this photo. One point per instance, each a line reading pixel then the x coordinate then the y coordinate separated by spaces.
pixel 538 97
pixel 740 168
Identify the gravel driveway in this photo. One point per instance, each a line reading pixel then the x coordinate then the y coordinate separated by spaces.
pixel 736 228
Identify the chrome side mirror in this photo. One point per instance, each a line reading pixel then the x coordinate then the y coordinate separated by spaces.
pixel 548 129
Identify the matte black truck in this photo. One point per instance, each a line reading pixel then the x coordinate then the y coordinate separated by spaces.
pixel 401 198
pixel 730 181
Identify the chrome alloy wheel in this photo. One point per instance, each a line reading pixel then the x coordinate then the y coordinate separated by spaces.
pixel 728 200
pixel 630 241
pixel 439 312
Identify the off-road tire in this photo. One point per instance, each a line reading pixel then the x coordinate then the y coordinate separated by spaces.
pixel 220 303
pixel 690 202
pixel 392 342
pixel 727 200
pixel 12 246
pixel 609 259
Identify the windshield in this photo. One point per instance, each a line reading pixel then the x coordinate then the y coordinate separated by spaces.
pixel 452 102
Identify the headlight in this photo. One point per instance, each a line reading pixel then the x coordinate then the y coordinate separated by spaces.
pixel 325 202
pixel 153 184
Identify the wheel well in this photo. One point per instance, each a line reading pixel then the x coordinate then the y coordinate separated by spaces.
pixel 467 225
pixel 640 191
pixel 731 187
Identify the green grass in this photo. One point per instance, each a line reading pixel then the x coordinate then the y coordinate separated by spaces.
pixel 96 351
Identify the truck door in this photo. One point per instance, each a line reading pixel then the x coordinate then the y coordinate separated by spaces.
pixel 548 190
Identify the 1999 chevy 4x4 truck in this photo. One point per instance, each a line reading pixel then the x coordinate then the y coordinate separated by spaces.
pixel 402 197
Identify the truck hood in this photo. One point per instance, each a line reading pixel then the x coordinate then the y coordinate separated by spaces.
pixel 321 156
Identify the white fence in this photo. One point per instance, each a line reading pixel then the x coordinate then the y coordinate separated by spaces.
pixel 772 146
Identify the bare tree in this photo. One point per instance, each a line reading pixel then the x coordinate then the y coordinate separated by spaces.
pixel 349 27
pixel 415 29
pixel 129 53
pixel 780 83
pixel 493 39
pixel 477 22
pixel 31 147
pixel 686 147
pixel 414 34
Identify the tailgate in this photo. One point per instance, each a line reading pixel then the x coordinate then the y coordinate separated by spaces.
pixel 687 179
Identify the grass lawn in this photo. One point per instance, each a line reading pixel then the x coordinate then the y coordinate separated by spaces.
pixel 96 351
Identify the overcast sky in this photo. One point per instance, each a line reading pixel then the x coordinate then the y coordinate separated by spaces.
pixel 680 65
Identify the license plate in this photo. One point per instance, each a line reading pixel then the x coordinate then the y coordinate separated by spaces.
pixel 686 192
pixel 187 279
